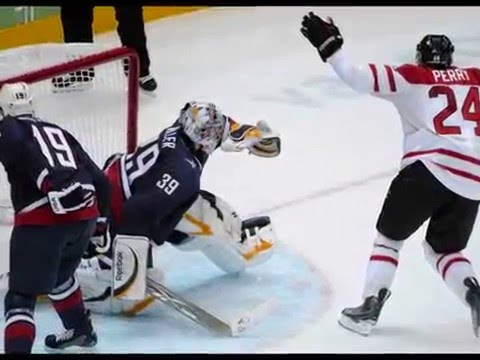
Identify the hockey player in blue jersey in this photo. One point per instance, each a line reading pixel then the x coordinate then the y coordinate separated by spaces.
pixel 57 193
pixel 156 197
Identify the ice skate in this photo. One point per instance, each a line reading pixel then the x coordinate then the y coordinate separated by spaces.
pixel 148 83
pixel 363 318
pixel 81 339
pixel 473 299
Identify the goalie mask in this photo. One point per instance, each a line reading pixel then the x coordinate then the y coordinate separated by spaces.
pixel 15 100
pixel 203 124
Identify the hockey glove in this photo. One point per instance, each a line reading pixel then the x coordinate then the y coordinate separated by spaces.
pixel 260 140
pixel 269 145
pixel 72 198
pixel 323 35
pixel 101 237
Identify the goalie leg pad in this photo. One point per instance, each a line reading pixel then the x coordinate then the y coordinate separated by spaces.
pixel 258 239
pixel 255 246
pixel 96 283
pixel 130 256
pixel 209 216
pixel 230 243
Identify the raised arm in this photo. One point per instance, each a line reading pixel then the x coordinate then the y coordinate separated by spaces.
pixel 378 80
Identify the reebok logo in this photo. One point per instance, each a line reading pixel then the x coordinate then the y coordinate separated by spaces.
pixel 119 266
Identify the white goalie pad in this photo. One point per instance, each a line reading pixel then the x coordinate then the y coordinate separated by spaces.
pixel 210 226
pixel 130 255
pixel 208 217
pixel 213 227
pixel 96 284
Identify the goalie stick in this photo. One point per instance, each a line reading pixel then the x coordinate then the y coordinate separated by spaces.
pixel 196 313
pixel 204 318
pixel 131 252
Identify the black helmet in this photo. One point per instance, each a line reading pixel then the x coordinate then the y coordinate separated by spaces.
pixel 435 51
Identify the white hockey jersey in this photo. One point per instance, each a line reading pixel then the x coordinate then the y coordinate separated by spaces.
pixel 440 114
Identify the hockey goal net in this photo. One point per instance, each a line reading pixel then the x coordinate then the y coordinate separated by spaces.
pixel 89 90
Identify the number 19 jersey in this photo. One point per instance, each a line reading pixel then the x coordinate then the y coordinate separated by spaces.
pixel 439 111
pixel 39 157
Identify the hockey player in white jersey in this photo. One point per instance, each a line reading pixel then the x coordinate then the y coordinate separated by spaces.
pixel 439 180
pixel 156 196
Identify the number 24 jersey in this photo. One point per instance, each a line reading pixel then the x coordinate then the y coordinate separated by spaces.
pixel 440 114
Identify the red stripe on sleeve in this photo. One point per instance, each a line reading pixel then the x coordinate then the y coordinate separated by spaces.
pixel 376 88
pixel 391 79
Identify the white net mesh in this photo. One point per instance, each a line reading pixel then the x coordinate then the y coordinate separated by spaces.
pixel 92 102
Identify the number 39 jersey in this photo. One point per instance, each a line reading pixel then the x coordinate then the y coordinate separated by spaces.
pixel 39 157
pixel 440 114
pixel 154 186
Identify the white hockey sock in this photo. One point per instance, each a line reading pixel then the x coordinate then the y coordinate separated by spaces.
pixel 452 267
pixel 382 265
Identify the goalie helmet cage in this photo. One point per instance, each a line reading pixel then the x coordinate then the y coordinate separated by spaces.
pixel 87 89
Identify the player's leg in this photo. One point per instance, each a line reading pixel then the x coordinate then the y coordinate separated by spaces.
pixel 213 227
pixel 410 201
pixel 66 297
pixel 34 260
pixel 19 331
pixel 131 30
pixel 77 22
pixel 447 235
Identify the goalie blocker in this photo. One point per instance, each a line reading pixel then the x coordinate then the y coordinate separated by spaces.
pixel 210 225
pixel 129 273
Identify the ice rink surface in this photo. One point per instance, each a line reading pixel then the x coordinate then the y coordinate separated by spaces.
pixel 324 192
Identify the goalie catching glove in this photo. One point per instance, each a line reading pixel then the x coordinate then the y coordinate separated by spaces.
pixel 74 197
pixel 260 140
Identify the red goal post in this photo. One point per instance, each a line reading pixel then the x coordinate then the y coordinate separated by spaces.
pixel 89 90
pixel 89 61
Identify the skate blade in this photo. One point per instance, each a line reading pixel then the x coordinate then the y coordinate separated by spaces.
pixel 476 322
pixel 74 349
pixel 359 327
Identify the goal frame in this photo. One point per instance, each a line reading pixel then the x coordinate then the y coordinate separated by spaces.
pixel 98 58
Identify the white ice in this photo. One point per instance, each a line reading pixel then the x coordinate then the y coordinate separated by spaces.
pixel 324 192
